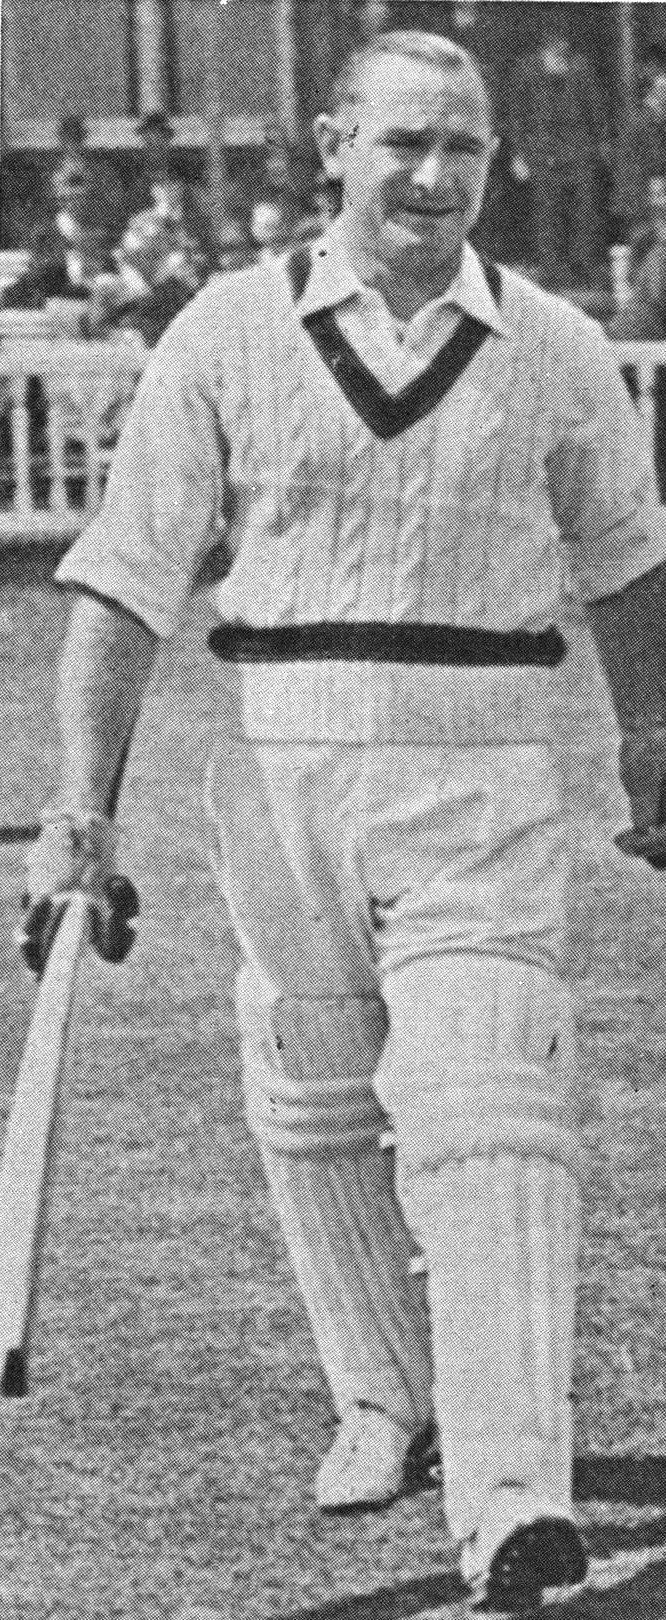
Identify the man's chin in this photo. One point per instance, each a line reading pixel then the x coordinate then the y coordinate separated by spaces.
pixel 433 239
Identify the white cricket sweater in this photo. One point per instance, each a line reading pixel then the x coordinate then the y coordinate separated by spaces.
pixel 528 464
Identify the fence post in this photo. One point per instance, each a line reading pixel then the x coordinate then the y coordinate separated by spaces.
pixel 21 442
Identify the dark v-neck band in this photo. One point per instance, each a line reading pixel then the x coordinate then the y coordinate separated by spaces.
pixel 388 415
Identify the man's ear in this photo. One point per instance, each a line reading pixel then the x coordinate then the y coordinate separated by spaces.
pixel 329 137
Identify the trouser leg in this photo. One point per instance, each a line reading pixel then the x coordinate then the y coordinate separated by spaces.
pixel 487 1177
pixel 318 1125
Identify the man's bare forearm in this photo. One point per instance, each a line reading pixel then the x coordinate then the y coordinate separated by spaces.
pixel 105 668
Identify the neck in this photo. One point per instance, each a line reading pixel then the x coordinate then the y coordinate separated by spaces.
pixel 404 291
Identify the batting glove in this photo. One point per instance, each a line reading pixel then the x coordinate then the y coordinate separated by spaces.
pixel 643 777
pixel 76 851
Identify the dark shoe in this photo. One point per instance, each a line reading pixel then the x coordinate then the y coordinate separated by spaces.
pixel 523 1545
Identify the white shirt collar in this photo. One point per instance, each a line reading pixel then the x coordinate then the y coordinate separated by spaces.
pixel 332 281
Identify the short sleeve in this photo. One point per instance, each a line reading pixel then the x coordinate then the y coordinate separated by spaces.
pixel 599 469
pixel 162 508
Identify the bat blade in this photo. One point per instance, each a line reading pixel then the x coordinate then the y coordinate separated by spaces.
pixel 25 1159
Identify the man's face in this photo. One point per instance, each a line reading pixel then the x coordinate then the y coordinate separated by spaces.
pixel 555 54
pixel 413 157
pixel 71 186
pixel 276 165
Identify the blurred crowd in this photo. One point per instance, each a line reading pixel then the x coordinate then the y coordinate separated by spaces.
pixel 132 259
pixel 586 206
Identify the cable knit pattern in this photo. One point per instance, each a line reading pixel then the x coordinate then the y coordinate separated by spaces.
pixel 452 521
pixel 294 467
pixel 359 473
pixel 413 518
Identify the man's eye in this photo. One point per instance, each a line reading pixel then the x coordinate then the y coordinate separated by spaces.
pixel 406 143
pixel 466 148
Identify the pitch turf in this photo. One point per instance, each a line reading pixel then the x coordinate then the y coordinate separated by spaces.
pixel 162 1464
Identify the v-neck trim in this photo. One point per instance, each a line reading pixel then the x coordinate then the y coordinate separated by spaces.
pixel 384 413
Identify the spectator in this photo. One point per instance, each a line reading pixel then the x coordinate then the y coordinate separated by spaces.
pixel 65 261
pixel 159 165
pixel 156 133
pixel 234 247
pixel 278 206
pixel 324 204
pixel 642 164
pixel 70 243
pixel 23 201
pixel 93 180
pixel 165 256
pixel 374 15
pixel 559 140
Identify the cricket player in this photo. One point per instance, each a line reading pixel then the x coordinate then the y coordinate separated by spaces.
pixel 406 451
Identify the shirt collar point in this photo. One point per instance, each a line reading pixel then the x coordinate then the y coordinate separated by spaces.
pixel 332 282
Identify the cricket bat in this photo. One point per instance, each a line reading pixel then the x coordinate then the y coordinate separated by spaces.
pixel 24 1171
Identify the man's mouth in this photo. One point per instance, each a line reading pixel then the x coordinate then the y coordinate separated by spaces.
pixel 426 211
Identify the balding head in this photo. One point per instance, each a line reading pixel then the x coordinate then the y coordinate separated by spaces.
pixel 410 143
pixel 410 45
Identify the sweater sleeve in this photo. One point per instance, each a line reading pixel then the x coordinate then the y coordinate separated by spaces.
pixel 599 470
pixel 163 506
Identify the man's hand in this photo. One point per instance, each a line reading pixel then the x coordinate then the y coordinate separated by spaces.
pixel 643 777
pixel 76 851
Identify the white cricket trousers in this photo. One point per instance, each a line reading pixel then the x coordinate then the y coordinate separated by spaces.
pixel 401 912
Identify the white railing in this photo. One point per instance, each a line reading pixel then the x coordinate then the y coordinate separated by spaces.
pixel 13 262
pixel 63 403
pixel 62 406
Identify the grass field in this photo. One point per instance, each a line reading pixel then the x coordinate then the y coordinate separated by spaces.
pixel 162 1464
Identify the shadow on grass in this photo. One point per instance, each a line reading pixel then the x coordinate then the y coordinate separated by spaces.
pixel 390 1602
pixel 640 1597
pixel 637 1597
pixel 639 1480
pixel 628 1481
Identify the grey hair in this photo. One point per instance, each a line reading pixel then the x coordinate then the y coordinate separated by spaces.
pixel 413 45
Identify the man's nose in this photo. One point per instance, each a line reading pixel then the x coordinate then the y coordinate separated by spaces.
pixel 436 170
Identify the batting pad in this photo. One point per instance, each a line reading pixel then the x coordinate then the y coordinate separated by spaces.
pixel 306 1064
pixel 501 1238
pixel 318 1128
pixel 480 1058
pixel 476 1074
pixel 350 1251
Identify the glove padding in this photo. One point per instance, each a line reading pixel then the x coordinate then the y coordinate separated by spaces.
pixel 643 777
pixel 76 852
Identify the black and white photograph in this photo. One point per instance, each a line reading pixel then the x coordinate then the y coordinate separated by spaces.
pixel 333 810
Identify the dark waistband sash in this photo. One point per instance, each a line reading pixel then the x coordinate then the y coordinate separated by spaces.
pixel 386 644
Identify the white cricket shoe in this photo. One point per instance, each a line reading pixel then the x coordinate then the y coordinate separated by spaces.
pixel 523 1545
pixel 370 1462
